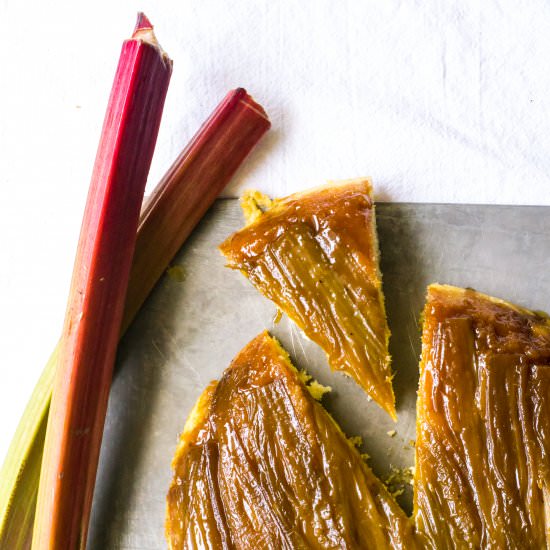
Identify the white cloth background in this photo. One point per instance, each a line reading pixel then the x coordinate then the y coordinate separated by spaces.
pixel 437 101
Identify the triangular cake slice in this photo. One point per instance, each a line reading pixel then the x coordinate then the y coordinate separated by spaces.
pixel 315 254
pixel 262 465
pixel 483 423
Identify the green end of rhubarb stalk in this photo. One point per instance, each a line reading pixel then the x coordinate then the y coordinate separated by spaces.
pixel 21 470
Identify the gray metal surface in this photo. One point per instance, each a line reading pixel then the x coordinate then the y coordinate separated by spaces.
pixel 190 329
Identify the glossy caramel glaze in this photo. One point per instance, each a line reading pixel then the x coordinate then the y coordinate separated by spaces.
pixel 315 255
pixel 261 465
pixel 483 424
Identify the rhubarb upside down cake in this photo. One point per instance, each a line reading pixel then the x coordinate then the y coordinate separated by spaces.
pixel 262 465
pixel 315 255
pixel 483 424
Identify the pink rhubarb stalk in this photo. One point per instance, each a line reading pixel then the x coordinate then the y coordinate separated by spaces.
pixel 98 289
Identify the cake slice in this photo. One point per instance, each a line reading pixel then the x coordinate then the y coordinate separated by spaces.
pixel 315 254
pixel 262 465
pixel 483 423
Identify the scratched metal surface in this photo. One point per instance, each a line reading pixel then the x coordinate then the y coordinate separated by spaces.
pixel 189 330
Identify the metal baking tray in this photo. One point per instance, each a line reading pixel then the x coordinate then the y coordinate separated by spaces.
pixel 201 314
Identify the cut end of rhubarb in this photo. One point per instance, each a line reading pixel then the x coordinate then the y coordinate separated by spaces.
pixel 249 101
pixel 144 32
pixel 142 22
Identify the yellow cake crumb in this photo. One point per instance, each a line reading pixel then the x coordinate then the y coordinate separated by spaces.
pixel 317 390
pixel 254 204
pixel 176 273
pixel 398 478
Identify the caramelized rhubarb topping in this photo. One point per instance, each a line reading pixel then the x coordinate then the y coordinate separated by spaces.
pixel 315 255
pixel 261 464
pixel 483 423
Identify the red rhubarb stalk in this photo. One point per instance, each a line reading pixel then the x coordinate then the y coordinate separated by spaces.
pixel 190 187
pixel 98 289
